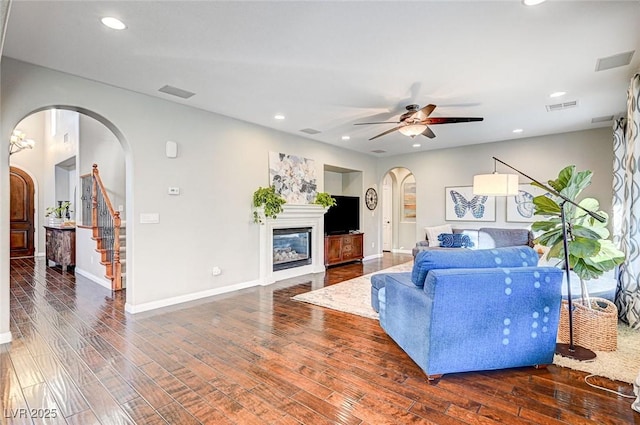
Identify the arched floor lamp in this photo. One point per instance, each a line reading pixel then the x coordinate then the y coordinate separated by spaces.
pixel 507 185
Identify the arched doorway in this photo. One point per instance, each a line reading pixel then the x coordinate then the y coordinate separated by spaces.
pixel 68 142
pixel 21 213
pixel 398 210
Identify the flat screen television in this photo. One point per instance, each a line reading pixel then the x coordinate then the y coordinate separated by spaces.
pixel 344 217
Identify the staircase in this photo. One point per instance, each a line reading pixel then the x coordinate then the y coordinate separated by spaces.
pixel 107 227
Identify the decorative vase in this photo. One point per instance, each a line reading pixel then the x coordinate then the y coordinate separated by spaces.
pixel 55 221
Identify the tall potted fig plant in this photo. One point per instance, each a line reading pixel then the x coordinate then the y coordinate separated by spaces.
pixel 591 252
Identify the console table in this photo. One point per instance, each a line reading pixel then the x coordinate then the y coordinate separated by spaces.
pixel 61 246
pixel 343 248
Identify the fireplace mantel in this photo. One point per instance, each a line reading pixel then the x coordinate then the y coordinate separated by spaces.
pixel 293 216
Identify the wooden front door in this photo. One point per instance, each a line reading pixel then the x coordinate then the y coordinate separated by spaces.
pixel 22 213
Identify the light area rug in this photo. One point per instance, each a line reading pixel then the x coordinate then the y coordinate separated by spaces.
pixel 354 296
pixel 351 296
pixel 620 365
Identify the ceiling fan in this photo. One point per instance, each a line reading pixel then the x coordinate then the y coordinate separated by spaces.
pixel 416 121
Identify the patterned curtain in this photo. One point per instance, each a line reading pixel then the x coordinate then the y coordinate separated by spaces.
pixel 626 205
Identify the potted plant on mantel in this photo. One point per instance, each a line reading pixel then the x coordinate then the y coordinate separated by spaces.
pixel 591 252
pixel 325 200
pixel 267 203
pixel 57 215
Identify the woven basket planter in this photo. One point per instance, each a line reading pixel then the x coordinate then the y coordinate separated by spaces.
pixel 595 328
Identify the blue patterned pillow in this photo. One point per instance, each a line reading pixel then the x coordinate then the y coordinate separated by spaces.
pixel 454 240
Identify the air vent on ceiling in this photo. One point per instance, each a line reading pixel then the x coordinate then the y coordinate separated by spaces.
pixel 310 131
pixel 561 106
pixel 605 118
pixel 379 151
pixel 615 61
pixel 174 91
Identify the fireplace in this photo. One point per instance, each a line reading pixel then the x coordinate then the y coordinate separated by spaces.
pixel 309 218
pixel 291 247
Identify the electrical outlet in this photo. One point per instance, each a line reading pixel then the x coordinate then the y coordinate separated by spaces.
pixel 216 271
pixel 373 244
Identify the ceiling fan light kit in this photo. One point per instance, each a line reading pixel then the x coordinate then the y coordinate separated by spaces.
pixel 412 130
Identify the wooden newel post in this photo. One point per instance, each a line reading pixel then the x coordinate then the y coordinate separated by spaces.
pixel 117 267
pixel 94 200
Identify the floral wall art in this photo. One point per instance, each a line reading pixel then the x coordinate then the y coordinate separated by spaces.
pixel 293 177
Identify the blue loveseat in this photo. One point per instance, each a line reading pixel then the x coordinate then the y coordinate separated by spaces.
pixel 469 310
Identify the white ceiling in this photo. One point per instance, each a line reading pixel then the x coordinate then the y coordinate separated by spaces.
pixel 328 65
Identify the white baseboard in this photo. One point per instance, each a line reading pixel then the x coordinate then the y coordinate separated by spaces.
pixel 139 308
pixel 5 337
pixel 97 279
pixel 39 254
pixel 372 257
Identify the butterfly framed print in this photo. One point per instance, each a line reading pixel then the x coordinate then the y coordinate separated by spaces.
pixel 462 205
pixel 520 207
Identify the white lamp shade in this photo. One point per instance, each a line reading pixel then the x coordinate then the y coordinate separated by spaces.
pixel 412 129
pixel 495 184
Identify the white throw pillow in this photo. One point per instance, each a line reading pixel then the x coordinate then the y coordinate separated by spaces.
pixel 433 232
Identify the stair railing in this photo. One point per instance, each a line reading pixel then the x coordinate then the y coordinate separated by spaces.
pixel 105 224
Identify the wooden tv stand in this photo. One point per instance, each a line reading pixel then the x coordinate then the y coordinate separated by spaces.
pixel 343 248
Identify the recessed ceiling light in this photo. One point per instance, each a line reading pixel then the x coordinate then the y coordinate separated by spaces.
pixel 532 2
pixel 558 94
pixel 279 117
pixel 346 138
pixel 113 23
pixel 518 130
pixel 416 145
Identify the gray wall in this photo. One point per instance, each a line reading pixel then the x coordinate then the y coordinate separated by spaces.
pixel 98 145
pixel 539 157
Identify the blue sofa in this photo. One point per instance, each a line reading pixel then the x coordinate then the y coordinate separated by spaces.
pixel 472 310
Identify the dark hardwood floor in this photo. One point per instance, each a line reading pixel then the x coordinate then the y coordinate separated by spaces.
pixel 252 357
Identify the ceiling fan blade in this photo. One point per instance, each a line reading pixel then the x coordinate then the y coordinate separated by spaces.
pixel 387 132
pixel 449 120
pixel 377 122
pixel 428 133
pixel 425 111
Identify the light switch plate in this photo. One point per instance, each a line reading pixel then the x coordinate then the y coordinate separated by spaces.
pixel 174 191
pixel 149 218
